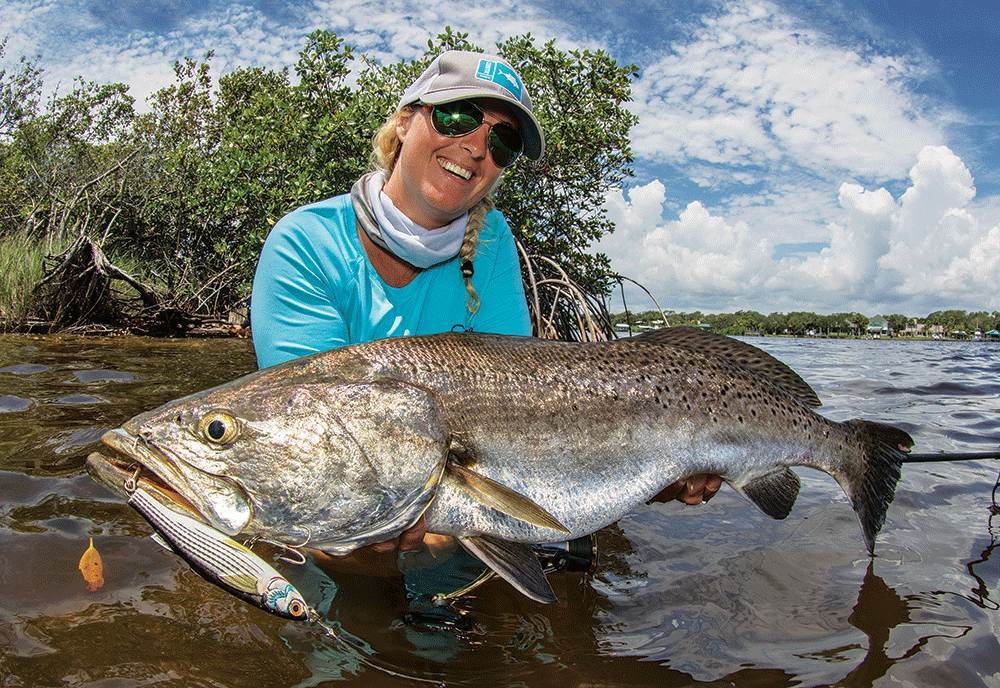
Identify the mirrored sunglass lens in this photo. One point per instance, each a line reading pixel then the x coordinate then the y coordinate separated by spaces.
pixel 456 119
pixel 505 144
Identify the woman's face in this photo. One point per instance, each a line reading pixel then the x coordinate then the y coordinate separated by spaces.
pixel 437 178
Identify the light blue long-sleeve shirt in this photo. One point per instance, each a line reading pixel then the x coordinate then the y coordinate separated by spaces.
pixel 315 288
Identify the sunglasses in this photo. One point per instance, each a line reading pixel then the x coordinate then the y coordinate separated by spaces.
pixel 463 117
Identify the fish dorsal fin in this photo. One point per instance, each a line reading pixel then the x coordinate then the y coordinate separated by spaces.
pixel 500 497
pixel 773 493
pixel 515 563
pixel 737 353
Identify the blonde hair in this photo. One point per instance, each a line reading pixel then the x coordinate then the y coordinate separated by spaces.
pixel 385 151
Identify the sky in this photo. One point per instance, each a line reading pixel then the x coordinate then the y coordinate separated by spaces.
pixel 790 155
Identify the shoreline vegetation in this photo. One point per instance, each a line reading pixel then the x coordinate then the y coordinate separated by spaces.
pixel 957 325
pixel 152 222
pixel 560 307
pixel 119 222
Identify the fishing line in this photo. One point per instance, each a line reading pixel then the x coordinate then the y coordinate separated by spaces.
pixel 360 655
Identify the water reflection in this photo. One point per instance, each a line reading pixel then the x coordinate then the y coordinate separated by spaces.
pixel 714 595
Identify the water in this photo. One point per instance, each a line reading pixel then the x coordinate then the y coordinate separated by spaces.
pixel 715 595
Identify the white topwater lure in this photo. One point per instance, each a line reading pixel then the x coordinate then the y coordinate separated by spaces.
pixel 237 570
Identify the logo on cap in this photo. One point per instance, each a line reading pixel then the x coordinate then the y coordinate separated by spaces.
pixel 501 75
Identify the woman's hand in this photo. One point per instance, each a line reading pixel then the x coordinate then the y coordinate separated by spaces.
pixel 409 539
pixel 693 490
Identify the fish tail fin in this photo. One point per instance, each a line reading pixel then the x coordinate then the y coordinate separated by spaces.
pixel 871 482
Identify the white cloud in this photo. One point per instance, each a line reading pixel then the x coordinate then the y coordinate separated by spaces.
pixel 697 255
pixel 73 42
pixel 917 254
pixel 755 87
pixel 939 247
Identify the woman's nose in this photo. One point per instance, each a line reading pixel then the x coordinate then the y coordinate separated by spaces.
pixel 477 143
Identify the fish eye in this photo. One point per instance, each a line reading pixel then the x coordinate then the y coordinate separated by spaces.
pixel 219 427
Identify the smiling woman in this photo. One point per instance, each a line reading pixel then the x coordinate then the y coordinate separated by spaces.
pixel 416 247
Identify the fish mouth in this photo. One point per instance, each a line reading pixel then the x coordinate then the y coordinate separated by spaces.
pixel 215 500
pixel 122 476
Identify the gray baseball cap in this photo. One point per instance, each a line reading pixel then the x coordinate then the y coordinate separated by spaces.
pixel 460 74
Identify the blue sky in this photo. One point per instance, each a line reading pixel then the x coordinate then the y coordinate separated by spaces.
pixel 790 155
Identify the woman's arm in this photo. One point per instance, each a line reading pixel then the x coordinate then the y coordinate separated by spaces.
pixel 292 310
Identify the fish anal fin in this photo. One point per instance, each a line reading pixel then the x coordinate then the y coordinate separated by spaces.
pixel 516 563
pixel 774 493
pixel 502 498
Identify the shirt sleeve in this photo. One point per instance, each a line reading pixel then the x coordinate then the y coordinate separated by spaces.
pixel 293 309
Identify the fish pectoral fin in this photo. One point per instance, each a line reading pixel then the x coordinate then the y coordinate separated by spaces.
pixel 773 493
pixel 502 498
pixel 514 562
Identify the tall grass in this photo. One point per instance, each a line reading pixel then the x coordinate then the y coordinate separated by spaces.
pixel 21 267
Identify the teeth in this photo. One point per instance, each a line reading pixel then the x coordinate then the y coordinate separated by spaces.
pixel 455 169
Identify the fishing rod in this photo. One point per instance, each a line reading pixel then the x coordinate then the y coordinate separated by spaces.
pixel 949 456
pixel 957 456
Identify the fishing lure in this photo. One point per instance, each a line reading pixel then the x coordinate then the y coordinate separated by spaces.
pixel 234 568
pixel 220 559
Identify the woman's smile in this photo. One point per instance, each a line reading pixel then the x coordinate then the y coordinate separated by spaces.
pixel 455 169
pixel 437 178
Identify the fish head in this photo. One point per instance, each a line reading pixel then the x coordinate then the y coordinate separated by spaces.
pixel 339 464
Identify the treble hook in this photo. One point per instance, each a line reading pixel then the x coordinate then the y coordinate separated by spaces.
pixel 131 484
pixel 299 559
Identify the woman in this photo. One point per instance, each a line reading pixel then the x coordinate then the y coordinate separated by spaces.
pixel 416 247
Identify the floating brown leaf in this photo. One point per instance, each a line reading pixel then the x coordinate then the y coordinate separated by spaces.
pixel 92 568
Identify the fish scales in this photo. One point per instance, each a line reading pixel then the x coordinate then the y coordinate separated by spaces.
pixel 501 441
pixel 561 422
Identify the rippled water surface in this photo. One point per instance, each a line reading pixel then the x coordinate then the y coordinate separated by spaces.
pixel 712 595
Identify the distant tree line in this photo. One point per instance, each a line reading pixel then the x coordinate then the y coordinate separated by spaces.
pixel 163 213
pixel 800 323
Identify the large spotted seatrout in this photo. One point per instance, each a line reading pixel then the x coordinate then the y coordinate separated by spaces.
pixel 500 441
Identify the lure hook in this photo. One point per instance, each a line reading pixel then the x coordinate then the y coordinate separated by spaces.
pixel 299 559
pixel 132 483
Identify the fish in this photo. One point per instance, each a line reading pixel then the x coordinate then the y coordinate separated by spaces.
pixel 218 558
pixel 503 442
